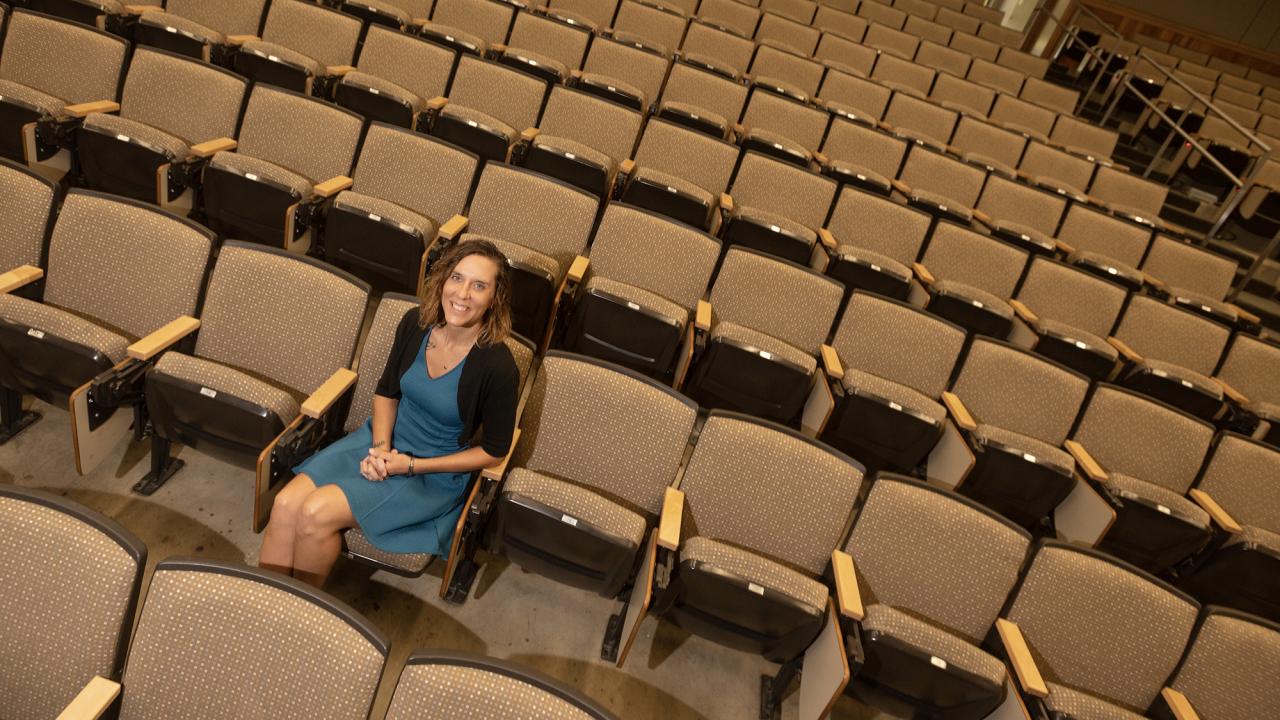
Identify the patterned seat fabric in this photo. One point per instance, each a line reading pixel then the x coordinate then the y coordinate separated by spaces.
pixel 777 140
pixel 1227 671
pixel 571 147
pixel 691 156
pixel 45 103
pixel 272 50
pixel 742 335
pixel 934 641
pixel 521 254
pixel 879 225
pixel 242 164
pixel 863 383
pixel 657 177
pixel 1072 303
pixel 1095 343
pixel 308 35
pixel 65 325
pixel 1130 487
pixel 610 81
pixel 1206 302
pixel 358 544
pixel 753 568
pixel 1114 267
pixel 173 147
pixel 373 354
pixel 410 178
pixel 776 187
pixel 467 689
pixel 1042 451
pixel 882 262
pixel 652 302
pixel 455 33
pixel 969 292
pixel 223 379
pixel 1080 705
pixel 899 344
pixel 1241 477
pixel 764 218
pixel 1202 383
pixel 1161 332
pixel 367 81
pixel 466 115
pixel 26 201
pixel 186 26
pixel 387 212
pixel 50 63
pixel 537 60
pixel 578 502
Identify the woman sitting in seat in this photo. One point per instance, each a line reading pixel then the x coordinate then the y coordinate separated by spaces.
pixel 402 476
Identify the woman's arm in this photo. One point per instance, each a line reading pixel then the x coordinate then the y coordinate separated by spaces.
pixel 462 461
pixel 384 420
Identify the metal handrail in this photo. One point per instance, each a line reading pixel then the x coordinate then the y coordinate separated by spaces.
pixel 1207 102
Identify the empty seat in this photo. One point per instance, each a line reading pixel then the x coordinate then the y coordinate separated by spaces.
pixel 100 298
pixel 716 49
pixel 1007 37
pixel 982 12
pixel 395 14
pixel 1250 101
pixel 989 146
pixel 1030 65
pixel 768 321
pixel 1072 313
pixel 854 97
pixel 778 208
pixel 891 40
pixel 659 27
pixel 783 128
pixel 940 185
pixel 1229 650
pixel 928 31
pixel 702 100
pixel 200 29
pixel 1129 196
pixel 1084 138
pixel 801 11
pixel 1021 116
pixel 469 25
pixel 957 21
pixel 304 47
pixel 1052 96
pixel 1056 170
pixel 970 278
pixel 780 68
pixel 841 54
pixel 1194 278
pixel 882 14
pixel 1228 145
pixel 888 365
pixel 979 48
pixel 73 574
pixel 598 12
pixel 846 24
pixel 1249 371
pixel 548 46
pixel 796 37
pixel 294 153
pixel 876 241
pixel 1144 457
pixel 582 139
pixel 1015 409
pixel 997 77
pixel 858 155
pixel 28 202
pixel 1105 245
pixel 1170 354
pixel 622 70
pixel 940 57
pixel 962 96
pixel 1022 215
pixel 396 77
pixel 52 69
pixel 731 15
pixel 488 108
pixel 174 114
pixel 920 120
pixel 1110 652
pixel 681 173
pixel 632 311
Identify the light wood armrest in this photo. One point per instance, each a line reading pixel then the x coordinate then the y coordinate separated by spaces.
pixel 923 273
pixel 848 596
pixel 1064 247
pixel 240 39
pixel 702 319
pixel 339 70
pixel 626 167
pixel 900 186
pixel 1245 314
pixel 139 9
pixel 1023 311
pixel 437 103
pixel 1085 460
pixel 160 340
pixel 528 134
pixel 79 110
pixel 1232 394
pixel 983 218
pixel 1179 704
pixel 209 148
pixel 327 394
pixel 821 158
pixel 831 362
pixel 1152 280
pixel 1124 350
pixel 453 227
pixel 958 411
pixel 672 516
pixel 497 471
pixel 826 238
pixel 333 186
pixel 1216 511
pixel 1024 666
pixel 19 276
pixel 578 269
pixel 726 202
pixel 738 130
pixel 92 701
pixel 419 22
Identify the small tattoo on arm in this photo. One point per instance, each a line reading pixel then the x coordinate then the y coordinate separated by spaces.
pixel 380 443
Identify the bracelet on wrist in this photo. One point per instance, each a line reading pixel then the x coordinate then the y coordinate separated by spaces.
pixel 411 459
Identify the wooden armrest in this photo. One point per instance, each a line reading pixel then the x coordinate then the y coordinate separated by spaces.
pixel 702 319
pixel 1024 666
pixel 1023 311
pixel 726 202
pixel 578 269
pixel 79 110
pixel 1178 704
pixel 437 103
pixel 209 148
pixel 575 75
pixel 1085 460
pixel 19 276
pixel 1232 394
pixel 821 158
pixel 453 227
pixel 848 596
pixel 1216 511
pixel 93 700
pixel 497 471
pixel 1152 280
pixel 328 393
pixel 983 218
pixel 528 134
pixel 1245 314
pixel 160 340
pixel 1124 350
pixel 923 273
pixel 900 186
pixel 333 186
pixel 831 362
pixel 826 238
pixel 139 9
pixel 339 70
pixel 958 411
pixel 626 167
pixel 240 39
pixel 1064 247
pixel 672 516
pixel 738 130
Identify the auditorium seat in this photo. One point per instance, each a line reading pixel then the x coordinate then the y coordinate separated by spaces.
pixel 1033 66
pixel 782 128
pixel 632 310
pixel 1055 97
pixel 205 30
pixel 409 192
pixel 939 184
pixel 1104 245
pixel 958 21
pixel 548 46
pixel 768 321
pixel 1081 652
pixel 970 278
pixel 774 65
pixel 1170 353
pixel 997 77
pixel 110 15
pixel 396 76
pixel 470 26
pixel 778 208
pixel 969 43
pixel 623 69
pixel 989 146
pixel 1129 196
pixel 801 11
pixel 1142 457
pixel 855 154
pixel 598 12
pixel 51 72
pixel 888 365
pixel 962 96
pixel 1031 120
pixel 294 153
pixel 258 363
pixel 304 47
pixel 1230 650
pixel 736 17
pixel 29 205
pixel 849 95
pixel 102 308
pixel 1056 170
pixel 395 14
pixel 72 577
pixel 845 24
pixel 681 173
pixel 488 107
pixel 583 140
pixel 175 113
pixel 660 27
pixel 1248 377
pixel 942 58
pixel 891 41
pixel 718 50
pixel 876 242
pixel 881 14
pixel 903 76
pixel 1072 312
pixel 1196 279
pixel 702 99
pixel 796 37
pixel 928 31
pixel 1021 215
pixel 840 53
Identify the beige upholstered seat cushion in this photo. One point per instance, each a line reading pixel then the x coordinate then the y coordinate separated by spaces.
pixel 455 33
pixel 777 140
pixel 1071 332
pixel 174 147
pixel 756 569
pixel 538 60
pixel 391 9
pixel 1213 305
pixel 272 51
pixel 521 254
pixel 1122 271
pixel 743 335
pixel 861 382
pixel 1082 706
pixel 221 379
pixel 248 165
pixel 1178 505
pixel 359 79
pixel 1042 451
pixel 441 689
pixel 64 325
pixel 471 115
pixel 696 112
pixel 29 96
pixel 187 27
pixel 935 641
pixel 387 212
pixel 1198 381
pixel 610 81
pixel 883 262
pixel 578 502
pixel 969 292
pixel 765 219
pixel 1256 536
pixel 575 149
pixel 651 302
pixel 944 203
pixel 359 545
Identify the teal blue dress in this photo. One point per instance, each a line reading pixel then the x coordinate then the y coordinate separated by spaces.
pixel 404 513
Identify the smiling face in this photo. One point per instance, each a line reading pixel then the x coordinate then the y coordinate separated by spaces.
pixel 469 291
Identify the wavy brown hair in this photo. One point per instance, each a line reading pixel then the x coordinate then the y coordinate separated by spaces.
pixel 496 324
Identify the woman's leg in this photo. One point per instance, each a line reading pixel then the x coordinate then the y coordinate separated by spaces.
pixel 278 537
pixel 324 515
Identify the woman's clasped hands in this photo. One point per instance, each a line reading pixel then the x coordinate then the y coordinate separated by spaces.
pixel 381 463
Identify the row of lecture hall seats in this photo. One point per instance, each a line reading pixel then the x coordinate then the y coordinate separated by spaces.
pixel 899 256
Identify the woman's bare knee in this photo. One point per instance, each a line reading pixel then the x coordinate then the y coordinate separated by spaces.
pixel 288 502
pixel 323 512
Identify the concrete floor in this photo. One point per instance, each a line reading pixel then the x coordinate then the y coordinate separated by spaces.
pixel 204 511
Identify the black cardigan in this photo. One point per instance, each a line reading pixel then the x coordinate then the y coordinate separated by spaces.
pixel 487 390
